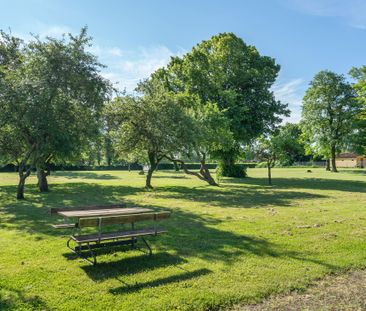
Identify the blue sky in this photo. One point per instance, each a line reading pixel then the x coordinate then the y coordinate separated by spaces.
pixel 133 38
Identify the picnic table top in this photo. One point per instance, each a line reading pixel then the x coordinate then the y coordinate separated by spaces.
pixel 104 212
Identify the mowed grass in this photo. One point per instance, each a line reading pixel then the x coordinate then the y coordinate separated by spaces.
pixel 237 243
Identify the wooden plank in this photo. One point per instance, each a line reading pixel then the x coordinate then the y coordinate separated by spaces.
pixel 104 212
pixel 121 219
pixel 64 226
pixel 56 210
pixel 116 235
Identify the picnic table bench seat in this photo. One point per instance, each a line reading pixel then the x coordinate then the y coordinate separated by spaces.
pixel 87 238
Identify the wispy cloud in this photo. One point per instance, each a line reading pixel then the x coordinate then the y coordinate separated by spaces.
pixel 54 31
pixel 125 68
pixel 352 11
pixel 291 93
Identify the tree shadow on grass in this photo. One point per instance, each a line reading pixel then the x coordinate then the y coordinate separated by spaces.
pixel 83 175
pixel 185 276
pixel 237 196
pixel 12 299
pixel 302 183
pixel 189 234
pixel 192 236
pixel 32 214
pixel 131 265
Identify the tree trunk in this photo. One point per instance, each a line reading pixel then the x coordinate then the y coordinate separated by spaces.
pixel 176 167
pixel 20 190
pixel 23 172
pixel 269 173
pixel 334 166
pixel 327 168
pixel 148 178
pixel 154 161
pixel 22 177
pixel 204 173
pixel 42 180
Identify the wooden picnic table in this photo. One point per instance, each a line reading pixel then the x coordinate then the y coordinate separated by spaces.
pixel 103 212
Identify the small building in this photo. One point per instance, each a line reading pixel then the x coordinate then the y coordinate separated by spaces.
pixel 349 159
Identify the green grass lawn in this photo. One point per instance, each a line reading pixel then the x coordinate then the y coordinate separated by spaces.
pixel 237 243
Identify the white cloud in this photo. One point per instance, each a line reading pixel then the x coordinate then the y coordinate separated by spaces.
pixel 291 93
pixel 55 31
pixel 352 11
pixel 129 67
pixel 115 51
pixel 125 68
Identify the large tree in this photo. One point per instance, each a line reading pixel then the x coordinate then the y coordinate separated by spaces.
pixel 52 100
pixel 328 113
pixel 358 140
pixel 226 71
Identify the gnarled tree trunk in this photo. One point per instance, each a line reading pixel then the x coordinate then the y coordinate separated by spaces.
pixel 23 174
pixel 43 171
pixel 42 179
pixel 204 173
pixel 154 161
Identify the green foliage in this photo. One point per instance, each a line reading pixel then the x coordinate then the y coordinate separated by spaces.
pixel 329 111
pixel 234 76
pixel 358 139
pixel 267 149
pixel 149 127
pixel 51 98
pixel 289 146
pixel 236 171
pixel 156 122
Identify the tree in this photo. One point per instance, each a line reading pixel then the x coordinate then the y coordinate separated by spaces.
pixel 151 127
pixel 328 113
pixel 52 100
pixel 266 149
pixel 358 139
pixel 234 76
pixel 288 140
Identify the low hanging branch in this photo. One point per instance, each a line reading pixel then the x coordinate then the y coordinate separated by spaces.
pixel 204 173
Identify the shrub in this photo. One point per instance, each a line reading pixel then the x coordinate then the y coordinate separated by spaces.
pixel 237 170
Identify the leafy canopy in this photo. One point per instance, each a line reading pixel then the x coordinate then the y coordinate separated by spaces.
pixel 234 76
pixel 328 112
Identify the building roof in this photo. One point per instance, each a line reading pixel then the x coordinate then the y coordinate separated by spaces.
pixel 348 155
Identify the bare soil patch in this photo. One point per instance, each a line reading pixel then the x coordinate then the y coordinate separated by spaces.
pixel 341 292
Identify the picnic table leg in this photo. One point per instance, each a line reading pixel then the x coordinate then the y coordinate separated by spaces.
pixel 78 251
pixel 133 242
pixel 147 245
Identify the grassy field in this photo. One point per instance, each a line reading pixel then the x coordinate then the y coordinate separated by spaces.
pixel 237 243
